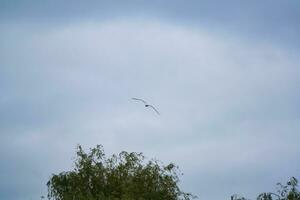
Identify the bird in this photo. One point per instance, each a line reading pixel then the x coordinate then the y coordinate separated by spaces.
pixel 146 104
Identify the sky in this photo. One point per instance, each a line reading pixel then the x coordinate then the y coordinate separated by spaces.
pixel 224 75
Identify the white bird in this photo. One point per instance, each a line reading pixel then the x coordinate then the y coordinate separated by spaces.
pixel 146 104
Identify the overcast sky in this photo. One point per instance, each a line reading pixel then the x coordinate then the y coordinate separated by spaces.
pixel 225 76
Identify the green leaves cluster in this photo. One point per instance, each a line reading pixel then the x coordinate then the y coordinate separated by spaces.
pixel 125 176
pixel 285 192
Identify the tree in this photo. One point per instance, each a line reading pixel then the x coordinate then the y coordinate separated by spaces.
pixel 126 176
pixel 284 192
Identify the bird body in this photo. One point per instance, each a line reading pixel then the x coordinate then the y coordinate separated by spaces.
pixel 146 104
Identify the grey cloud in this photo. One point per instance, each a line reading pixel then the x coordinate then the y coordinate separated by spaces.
pixel 267 21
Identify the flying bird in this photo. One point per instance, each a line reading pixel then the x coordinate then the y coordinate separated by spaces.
pixel 146 104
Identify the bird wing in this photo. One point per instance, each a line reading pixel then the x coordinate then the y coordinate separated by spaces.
pixel 154 109
pixel 139 100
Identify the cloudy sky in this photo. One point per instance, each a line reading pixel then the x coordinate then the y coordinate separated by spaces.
pixel 225 76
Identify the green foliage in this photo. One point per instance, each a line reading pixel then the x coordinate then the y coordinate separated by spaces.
pixel 284 192
pixel 237 197
pixel 121 177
